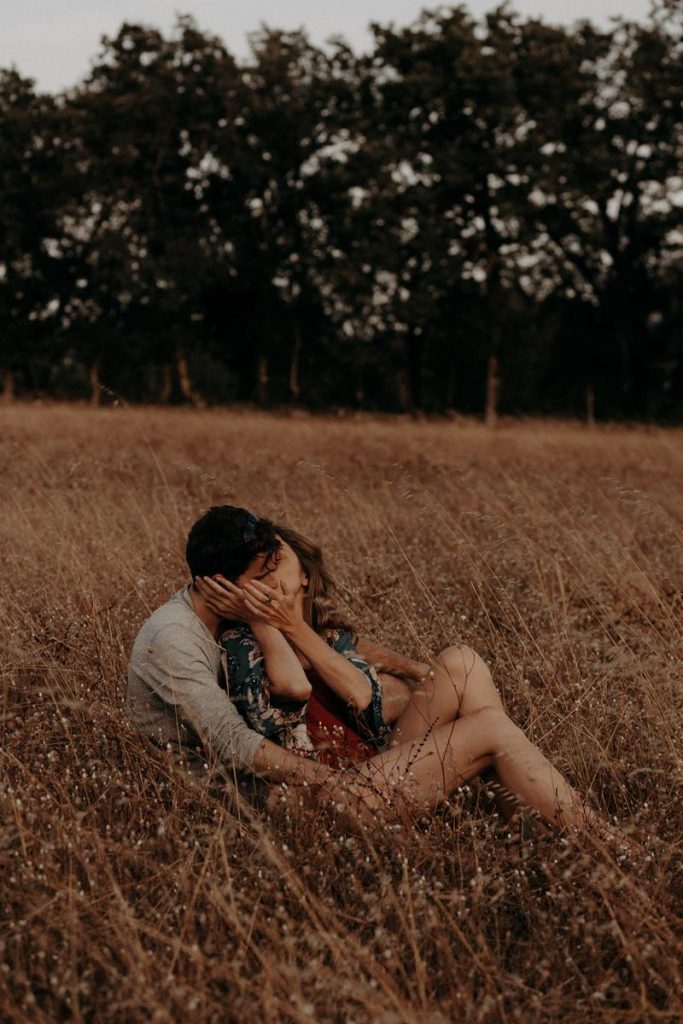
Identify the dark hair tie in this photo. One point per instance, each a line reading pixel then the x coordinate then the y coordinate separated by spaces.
pixel 249 535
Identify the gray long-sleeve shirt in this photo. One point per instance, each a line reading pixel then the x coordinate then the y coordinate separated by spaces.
pixel 177 689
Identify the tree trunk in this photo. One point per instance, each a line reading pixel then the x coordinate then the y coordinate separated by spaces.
pixel 405 391
pixel 590 404
pixel 496 302
pixel 185 381
pixel 294 387
pixel 94 381
pixel 492 390
pixel 263 381
pixel 450 382
pixel 7 387
pixel 166 384
pixel 359 390
pixel 414 354
pixel 625 362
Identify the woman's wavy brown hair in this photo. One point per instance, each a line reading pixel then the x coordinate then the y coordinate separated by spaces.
pixel 320 609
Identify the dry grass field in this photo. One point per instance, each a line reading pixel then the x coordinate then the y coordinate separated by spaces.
pixel 129 893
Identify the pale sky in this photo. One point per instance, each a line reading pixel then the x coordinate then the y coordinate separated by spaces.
pixel 53 41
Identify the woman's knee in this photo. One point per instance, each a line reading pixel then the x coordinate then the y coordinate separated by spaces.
pixel 463 665
pixel 460 659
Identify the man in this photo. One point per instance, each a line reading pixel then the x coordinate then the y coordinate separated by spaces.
pixel 178 685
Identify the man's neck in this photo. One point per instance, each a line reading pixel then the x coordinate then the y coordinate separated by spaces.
pixel 202 610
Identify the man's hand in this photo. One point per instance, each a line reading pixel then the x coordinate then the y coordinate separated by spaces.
pixel 353 799
pixel 349 800
pixel 308 785
pixel 223 598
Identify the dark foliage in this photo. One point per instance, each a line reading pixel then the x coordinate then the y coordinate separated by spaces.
pixel 472 217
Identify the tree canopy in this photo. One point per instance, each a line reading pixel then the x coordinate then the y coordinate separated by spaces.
pixel 474 216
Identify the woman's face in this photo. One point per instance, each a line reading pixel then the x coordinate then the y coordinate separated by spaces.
pixel 282 567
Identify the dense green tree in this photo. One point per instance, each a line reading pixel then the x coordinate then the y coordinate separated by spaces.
pixel 271 205
pixel 607 196
pixel 31 155
pixel 473 216
pixel 458 145
pixel 146 119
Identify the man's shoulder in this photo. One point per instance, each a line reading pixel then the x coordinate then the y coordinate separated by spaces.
pixel 175 615
pixel 173 639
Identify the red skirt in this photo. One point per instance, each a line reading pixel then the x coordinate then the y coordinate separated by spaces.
pixel 336 742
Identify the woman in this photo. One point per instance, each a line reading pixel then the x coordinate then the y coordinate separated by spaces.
pixel 338 716
pixel 451 729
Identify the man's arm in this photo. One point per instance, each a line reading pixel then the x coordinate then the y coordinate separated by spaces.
pixel 315 786
pixel 275 764
pixel 174 666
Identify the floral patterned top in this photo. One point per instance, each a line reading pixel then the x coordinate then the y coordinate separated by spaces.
pixel 284 721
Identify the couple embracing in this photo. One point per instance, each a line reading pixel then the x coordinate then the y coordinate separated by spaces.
pixel 251 665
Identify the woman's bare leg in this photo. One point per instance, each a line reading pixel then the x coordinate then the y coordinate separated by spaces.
pixel 461 684
pixel 396 695
pixel 429 770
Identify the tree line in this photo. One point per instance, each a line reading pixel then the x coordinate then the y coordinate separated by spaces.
pixel 474 216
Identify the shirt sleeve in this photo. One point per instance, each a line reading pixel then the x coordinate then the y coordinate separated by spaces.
pixel 183 676
pixel 371 720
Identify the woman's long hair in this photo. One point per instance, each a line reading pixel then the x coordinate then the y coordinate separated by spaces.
pixel 320 609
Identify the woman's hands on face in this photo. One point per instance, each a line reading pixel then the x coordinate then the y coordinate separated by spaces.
pixel 223 598
pixel 276 607
pixel 254 602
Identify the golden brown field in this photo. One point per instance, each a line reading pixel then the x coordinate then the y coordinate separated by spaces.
pixel 129 894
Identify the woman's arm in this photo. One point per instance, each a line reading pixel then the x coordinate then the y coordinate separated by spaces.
pixel 283 669
pixel 342 677
pixel 385 660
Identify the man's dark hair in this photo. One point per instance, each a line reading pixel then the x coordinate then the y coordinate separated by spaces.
pixel 226 539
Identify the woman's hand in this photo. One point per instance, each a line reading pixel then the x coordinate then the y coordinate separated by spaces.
pixel 223 598
pixel 276 607
pixel 422 673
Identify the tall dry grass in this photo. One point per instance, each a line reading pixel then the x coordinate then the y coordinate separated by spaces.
pixel 129 893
